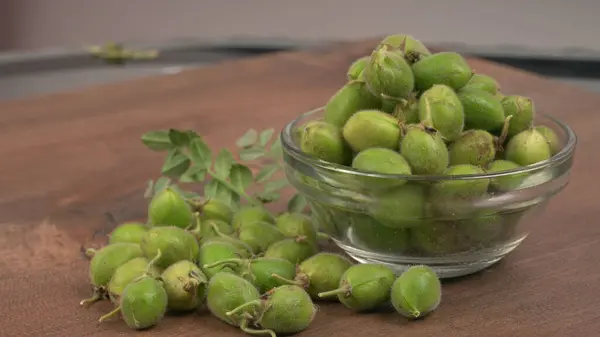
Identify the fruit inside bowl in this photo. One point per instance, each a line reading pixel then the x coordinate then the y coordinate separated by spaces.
pixel 417 159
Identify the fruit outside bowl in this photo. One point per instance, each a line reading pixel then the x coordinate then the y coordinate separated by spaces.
pixel 375 219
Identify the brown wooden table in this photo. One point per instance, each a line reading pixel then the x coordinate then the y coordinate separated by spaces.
pixel 68 159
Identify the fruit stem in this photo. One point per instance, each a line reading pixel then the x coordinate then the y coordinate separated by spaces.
pixel 196 229
pixel 222 262
pixel 239 192
pixel 153 261
pixel 505 127
pixel 341 290
pixel 323 236
pixel 110 314
pixel 243 306
pixel 244 327
pixel 90 252
pixel 288 281
pixel 97 296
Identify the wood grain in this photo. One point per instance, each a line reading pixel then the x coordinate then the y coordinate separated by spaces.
pixel 69 159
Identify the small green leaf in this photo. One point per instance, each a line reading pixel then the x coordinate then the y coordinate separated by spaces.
pixel 251 153
pixel 185 194
pixel 149 189
pixel 248 139
pixel 194 174
pixel 223 163
pixel 176 164
pixel 267 197
pixel 297 203
pixel 157 140
pixel 276 185
pixel 216 190
pixel 160 184
pixel 179 138
pixel 266 172
pixel 240 176
pixel 275 150
pixel 266 136
pixel 200 153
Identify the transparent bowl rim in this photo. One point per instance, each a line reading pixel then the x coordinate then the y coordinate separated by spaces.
pixel 292 149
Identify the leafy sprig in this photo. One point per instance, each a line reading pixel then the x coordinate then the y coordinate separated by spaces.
pixel 190 160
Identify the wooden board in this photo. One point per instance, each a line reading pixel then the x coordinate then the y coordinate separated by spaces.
pixel 69 159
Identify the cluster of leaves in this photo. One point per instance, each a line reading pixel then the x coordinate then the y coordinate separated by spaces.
pixel 190 160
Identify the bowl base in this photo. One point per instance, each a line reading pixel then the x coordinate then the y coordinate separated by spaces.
pixel 449 266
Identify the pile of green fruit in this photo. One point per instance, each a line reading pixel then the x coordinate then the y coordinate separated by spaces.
pixel 253 270
pixel 407 111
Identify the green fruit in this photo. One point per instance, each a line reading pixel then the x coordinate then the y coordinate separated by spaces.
pixel 454 197
pixel 215 251
pixel 438 238
pixel 482 110
pixel 373 236
pixel 352 97
pixel 357 67
pixel 483 82
pixel 412 49
pixel 417 292
pixel 425 151
pixel 168 208
pixel 217 210
pixel 210 228
pixel 260 235
pixel 243 249
pixel 364 287
pixel 522 111
pixel 406 111
pixel 381 160
pixel 475 147
pixel 250 214
pixel 259 271
pixel 130 232
pixel 292 250
pixel 128 272
pixel 372 128
pixel 320 273
pixel 448 68
pixel 441 109
pixel 483 230
pixel 528 147
pixel 143 303
pixel 401 207
pixel 296 225
pixel 505 183
pixel 226 292
pixel 106 261
pixel 324 141
pixel 286 310
pixel 174 243
pixel 185 285
pixel 387 74
pixel 551 137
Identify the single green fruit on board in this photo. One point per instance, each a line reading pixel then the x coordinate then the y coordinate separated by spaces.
pixel 357 67
pixel 324 141
pixel 416 292
pixel 371 128
pixel 173 243
pixel 441 109
pixel 505 183
pixel 528 147
pixel 144 303
pixel 474 147
pixel 424 150
pixel 168 208
pixel 185 285
pixel 401 207
pixel 128 272
pixel 129 232
pixel 413 49
pixel 226 292
pixel 387 74
pixel 352 97
pixel 249 214
pixel 552 138
pixel 483 110
pixel 448 68
pixel 364 287
pixel 522 112
pixel 106 261
pixel 483 82
pixel 373 236
pixel 287 309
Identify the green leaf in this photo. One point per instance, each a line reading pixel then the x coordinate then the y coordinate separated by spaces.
pixel 223 163
pixel 157 140
pixel 275 150
pixel 276 185
pixel 194 174
pixel 185 194
pixel 252 153
pixel 200 153
pixel 297 203
pixel 248 139
pixel 179 138
pixel 266 172
pixel 176 164
pixel 216 190
pixel 266 136
pixel 149 192
pixel 240 176
pixel 160 184
pixel 267 197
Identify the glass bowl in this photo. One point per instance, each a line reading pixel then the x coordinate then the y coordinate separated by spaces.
pixel 399 220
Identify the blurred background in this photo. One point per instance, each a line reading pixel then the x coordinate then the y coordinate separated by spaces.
pixel 551 37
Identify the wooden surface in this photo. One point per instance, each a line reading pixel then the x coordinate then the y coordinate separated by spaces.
pixel 68 159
